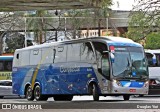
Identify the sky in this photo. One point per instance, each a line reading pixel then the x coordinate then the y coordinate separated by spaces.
pixel 123 5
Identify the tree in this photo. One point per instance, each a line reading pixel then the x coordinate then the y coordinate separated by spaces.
pixel 144 19
pixel 89 18
pixel 15 41
pixel 153 41
pixel 36 23
pixel 9 22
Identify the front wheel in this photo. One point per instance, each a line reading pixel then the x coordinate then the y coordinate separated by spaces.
pixel 37 94
pixel 141 95
pixel 29 94
pixel 95 92
pixel 126 97
pixel 1 97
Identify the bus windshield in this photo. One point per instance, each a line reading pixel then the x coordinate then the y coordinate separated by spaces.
pixel 129 62
pixel 6 67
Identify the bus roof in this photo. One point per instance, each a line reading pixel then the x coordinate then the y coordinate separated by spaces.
pixel 156 51
pixel 110 39
pixel 6 58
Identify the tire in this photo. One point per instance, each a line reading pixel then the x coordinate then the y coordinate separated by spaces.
pixel 141 95
pixel 95 92
pixel 126 97
pixel 1 97
pixel 37 94
pixel 63 98
pixel 29 94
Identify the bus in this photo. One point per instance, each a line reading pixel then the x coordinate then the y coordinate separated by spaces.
pixel 98 66
pixel 6 75
pixel 6 67
pixel 153 57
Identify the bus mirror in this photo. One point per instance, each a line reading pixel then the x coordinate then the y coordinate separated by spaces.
pixel 112 57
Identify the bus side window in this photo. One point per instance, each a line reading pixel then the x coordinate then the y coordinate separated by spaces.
pixel 100 48
pixel 73 52
pixel 54 54
pixel 86 52
pixel 60 54
pixel 17 56
pixel 1 66
pixel 150 59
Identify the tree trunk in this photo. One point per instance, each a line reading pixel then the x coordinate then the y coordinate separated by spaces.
pixel 1 42
pixel 99 27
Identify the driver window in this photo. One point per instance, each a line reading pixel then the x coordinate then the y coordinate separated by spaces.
pixel 102 59
pixel 105 65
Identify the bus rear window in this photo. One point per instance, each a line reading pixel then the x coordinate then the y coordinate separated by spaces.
pixel 5 65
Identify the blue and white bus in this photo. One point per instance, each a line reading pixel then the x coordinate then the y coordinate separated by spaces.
pixel 98 66
pixel 153 57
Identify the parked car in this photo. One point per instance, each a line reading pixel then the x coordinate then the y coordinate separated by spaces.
pixel 6 88
pixel 154 86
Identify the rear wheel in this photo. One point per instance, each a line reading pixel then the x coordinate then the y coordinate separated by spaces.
pixel 95 92
pixel 29 94
pixel 37 94
pixel 126 97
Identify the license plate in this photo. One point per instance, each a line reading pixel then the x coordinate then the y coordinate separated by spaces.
pixel 132 90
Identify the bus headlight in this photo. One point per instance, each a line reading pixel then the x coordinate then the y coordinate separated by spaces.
pixel 146 84
pixel 117 82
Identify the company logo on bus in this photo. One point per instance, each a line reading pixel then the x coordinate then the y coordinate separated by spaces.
pixel 69 69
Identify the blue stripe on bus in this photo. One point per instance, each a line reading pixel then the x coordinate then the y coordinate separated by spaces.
pixel 132 84
pixel 6 58
pixel 124 44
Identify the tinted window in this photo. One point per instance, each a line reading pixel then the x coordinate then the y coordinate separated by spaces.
pixel 153 59
pixel 60 53
pixel 73 52
pixel 6 83
pixel 35 57
pixel 47 55
pixel 99 49
pixel 5 65
pixel 87 53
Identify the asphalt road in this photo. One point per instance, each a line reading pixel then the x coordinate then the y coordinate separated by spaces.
pixel 86 103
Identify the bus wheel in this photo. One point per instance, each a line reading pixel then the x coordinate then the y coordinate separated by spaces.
pixel 95 92
pixel 126 97
pixel 37 94
pixel 63 98
pixel 1 97
pixel 69 98
pixel 141 95
pixel 29 94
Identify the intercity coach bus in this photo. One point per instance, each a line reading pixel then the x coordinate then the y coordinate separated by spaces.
pixel 98 66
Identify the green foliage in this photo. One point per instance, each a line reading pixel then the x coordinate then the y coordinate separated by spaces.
pixel 14 43
pixel 38 25
pixel 144 19
pixel 153 41
pixel 137 27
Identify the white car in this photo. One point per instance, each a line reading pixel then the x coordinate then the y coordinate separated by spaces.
pixel 6 88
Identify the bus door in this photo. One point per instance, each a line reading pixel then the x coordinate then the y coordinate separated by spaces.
pixel 103 67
